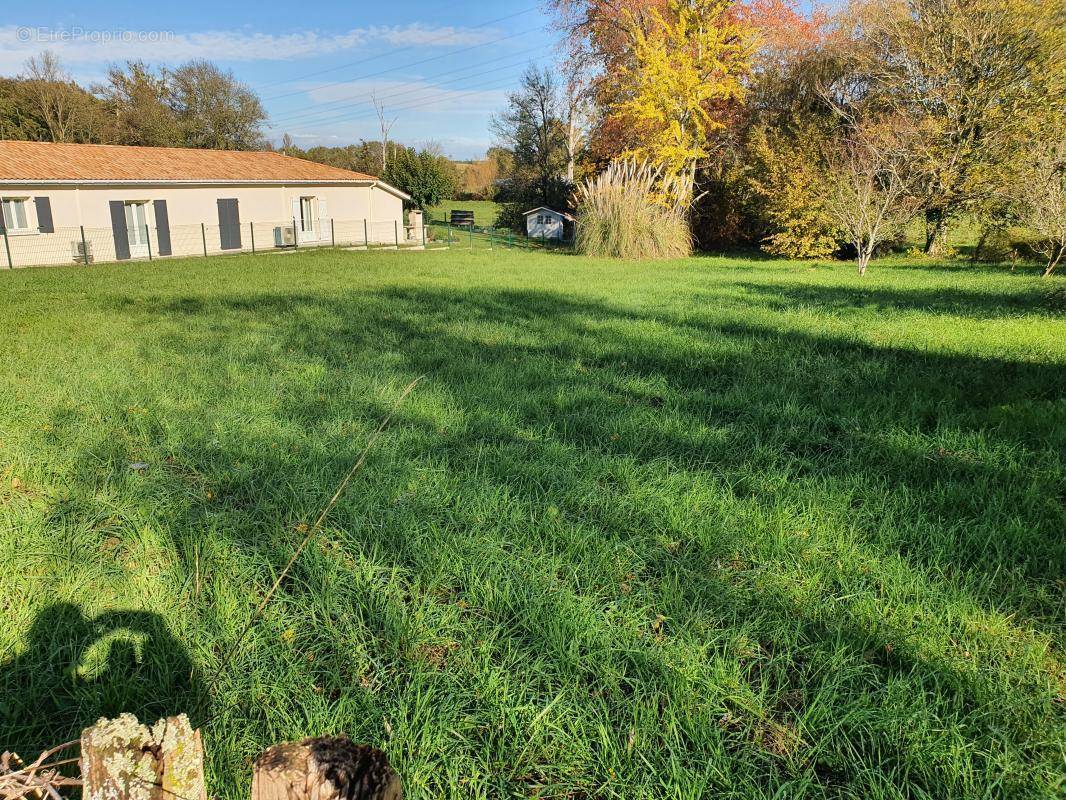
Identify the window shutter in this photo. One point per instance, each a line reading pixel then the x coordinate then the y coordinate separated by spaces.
pixel 323 218
pixel 118 227
pixel 44 215
pixel 162 228
pixel 229 224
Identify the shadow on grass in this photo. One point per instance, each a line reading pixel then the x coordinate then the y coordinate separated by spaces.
pixel 1047 301
pixel 75 669
pixel 593 447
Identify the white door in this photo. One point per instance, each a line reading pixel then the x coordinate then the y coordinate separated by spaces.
pixel 137 229
pixel 324 222
pixel 306 223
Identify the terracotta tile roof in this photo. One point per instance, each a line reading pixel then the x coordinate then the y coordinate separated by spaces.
pixel 45 161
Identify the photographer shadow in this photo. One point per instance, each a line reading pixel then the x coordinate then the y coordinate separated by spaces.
pixel 76 669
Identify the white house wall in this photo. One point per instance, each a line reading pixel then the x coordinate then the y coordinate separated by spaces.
pixel 356 210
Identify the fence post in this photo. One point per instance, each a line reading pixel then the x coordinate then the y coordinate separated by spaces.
pixel 7 247
pixel 449 227
pixel 396 231
pixel 203 235
pixel 366 234
pixel 333 231
pixel 148 239
pixel 423 237
pixel 295 234
pixel 470 237
pixel 251 229
pixel 84 246
pixel 490 237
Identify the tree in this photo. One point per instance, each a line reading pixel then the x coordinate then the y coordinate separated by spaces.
pixel 64 111
pixel 867 191
pixel 139 106
pixel 785 171
pixel 972 76
pixel 686 68
pixel 533 130
pixel 214 110
pixel 426 175
pixel 1038 197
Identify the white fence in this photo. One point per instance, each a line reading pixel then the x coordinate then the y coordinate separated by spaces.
pixel 97 245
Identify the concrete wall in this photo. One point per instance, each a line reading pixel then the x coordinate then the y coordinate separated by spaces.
pixel 341 211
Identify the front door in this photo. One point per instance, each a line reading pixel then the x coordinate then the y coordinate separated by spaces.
pixel 137 228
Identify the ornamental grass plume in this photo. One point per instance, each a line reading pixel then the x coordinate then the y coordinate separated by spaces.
pixel 633 210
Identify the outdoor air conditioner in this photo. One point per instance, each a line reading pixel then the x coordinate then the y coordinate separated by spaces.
pixel 81 251
pixel 285 236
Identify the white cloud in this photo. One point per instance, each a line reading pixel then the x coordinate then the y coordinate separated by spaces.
pixel 79 47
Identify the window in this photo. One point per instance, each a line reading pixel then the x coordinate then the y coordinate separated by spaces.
pixel 15 218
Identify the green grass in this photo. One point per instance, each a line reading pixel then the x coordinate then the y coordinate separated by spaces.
pixel 713 528
pixel 485 211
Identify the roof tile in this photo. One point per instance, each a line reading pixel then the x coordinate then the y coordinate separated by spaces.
pixel 47 161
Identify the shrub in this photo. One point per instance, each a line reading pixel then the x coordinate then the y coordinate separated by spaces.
pixel 789 180
pixel 632 211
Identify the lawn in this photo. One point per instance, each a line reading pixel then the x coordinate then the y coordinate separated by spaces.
pixel 485 211
pixel 722 527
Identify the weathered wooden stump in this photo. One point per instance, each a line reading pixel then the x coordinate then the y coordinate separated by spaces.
pixel 324 768
pixel 121 759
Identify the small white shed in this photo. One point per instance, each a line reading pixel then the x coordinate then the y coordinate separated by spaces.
pixel 547 223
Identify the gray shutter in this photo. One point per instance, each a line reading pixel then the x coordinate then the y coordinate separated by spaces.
pixel 118 226
pixel 229 224
pixel 162 228
pixel 44 215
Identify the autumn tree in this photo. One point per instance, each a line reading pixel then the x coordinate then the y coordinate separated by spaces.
pixel 687 65
pixel 867 188
pixel 1038 199
pixel 972 76
pixel 64 111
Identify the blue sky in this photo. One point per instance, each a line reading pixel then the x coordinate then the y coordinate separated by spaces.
pixel 441 68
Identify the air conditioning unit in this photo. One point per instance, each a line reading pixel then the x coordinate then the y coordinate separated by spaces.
pixel 81 251
pixel 285 236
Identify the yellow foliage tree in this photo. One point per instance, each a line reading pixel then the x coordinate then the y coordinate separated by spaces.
pixel 686 66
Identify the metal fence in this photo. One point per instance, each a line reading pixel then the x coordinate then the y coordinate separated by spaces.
pixel 83 245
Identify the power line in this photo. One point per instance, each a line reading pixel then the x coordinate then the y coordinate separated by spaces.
pixel 397 50
pixel 402 66
pixel 475 70
pixel 370 115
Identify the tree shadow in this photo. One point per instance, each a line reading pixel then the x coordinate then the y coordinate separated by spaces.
pixel 75 669
pixel 1047 301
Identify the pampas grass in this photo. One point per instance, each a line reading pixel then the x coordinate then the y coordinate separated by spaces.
pixel 632 211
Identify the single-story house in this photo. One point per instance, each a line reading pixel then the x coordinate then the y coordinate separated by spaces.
pixel 69 203
pixel 546 223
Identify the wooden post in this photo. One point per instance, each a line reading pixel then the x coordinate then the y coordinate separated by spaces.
pixel 203 235
pixel 326 768
pixel 7 247
pixel 121 759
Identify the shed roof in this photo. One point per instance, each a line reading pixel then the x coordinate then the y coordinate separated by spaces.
pixel 562 214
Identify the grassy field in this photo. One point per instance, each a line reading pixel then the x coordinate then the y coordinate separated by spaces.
pixel 721 527
pixel 485 211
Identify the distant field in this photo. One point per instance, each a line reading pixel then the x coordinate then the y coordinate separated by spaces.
pixel 715 528
pixel 485 211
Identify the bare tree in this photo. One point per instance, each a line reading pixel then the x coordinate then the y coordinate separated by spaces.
pixel 62 106
pixel 1038 198
pixel 868 193
pixel 386 127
